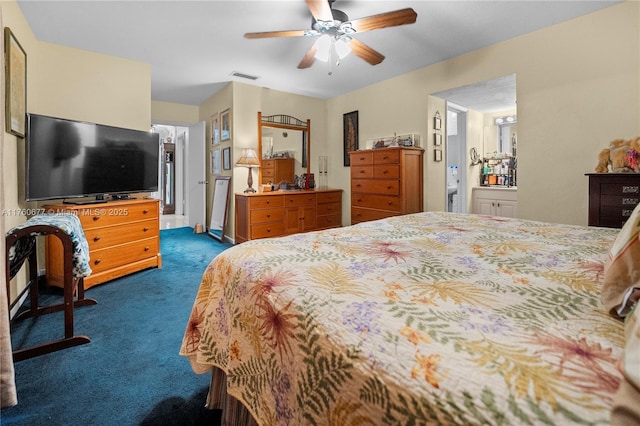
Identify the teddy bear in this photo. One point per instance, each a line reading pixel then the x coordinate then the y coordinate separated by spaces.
pixel 622 155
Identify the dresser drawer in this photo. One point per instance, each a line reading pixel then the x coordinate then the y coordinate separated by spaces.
pixel 361 172
pixel 268 172
pixel 619 189
pixel 361 158
pixel 372 201
pixel 329 221
pixel 364 215
pixel 265 202
pixel 329 197
pixel 267 230
pixel 329 208
pixel 105 216
pixel 375 186
pixel 387 156
pixel 112 257
pixel 268 164
pixel 619 200
pixel 300 199
pixel 100 238
pixel 387 171
pixel 267 215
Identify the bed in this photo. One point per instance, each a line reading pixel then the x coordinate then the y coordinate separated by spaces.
pixel 429 318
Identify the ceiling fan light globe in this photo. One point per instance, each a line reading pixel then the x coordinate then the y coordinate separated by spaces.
pixel 342 48
pixel 323 46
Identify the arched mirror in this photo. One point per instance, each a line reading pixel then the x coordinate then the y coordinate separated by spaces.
pixel 283 148
pixel 219 207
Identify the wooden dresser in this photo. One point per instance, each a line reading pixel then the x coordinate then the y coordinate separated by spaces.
pixel 612 198
pixel 123 237
pixel 278 213
pixel 275 170
pixel 386 182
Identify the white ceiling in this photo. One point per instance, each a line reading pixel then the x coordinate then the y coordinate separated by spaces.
pixel 194 46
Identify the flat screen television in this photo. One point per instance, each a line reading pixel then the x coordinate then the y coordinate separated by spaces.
pixel 74 159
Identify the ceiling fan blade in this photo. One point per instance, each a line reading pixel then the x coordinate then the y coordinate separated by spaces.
pixel 267 34
pixel 309 58
pixel 383 20
pixel 363 51
pixel 320 10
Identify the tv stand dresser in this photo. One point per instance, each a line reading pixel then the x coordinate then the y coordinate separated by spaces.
pixel 123 237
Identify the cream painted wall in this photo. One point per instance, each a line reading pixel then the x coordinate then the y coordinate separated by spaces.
pixel 577 89
pixel 245 101
pixel 69 83
pixel 173 113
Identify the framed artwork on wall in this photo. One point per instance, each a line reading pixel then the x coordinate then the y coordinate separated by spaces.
pixel 215 161
pixel 226 158
pixel 350 134
pixel 225 125
pixel 215 129
pixel 15 85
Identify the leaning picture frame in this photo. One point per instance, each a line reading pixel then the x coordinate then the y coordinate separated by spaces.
pixel 15 85
pixel 225 125
pixel 350 134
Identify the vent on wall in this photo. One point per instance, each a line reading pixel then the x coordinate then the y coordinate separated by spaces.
pixel 243 75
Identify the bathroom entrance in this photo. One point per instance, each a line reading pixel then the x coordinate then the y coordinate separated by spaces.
pixel 456 158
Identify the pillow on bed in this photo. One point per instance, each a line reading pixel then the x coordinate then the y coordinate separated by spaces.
pixel 622 270
pixel 626 410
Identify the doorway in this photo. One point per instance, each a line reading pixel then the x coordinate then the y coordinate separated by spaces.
pixel 456 158
pixel 171 169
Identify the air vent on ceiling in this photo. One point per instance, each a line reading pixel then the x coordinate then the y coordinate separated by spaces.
pixel 243 75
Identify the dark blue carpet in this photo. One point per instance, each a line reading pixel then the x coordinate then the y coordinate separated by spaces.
pixel 130 373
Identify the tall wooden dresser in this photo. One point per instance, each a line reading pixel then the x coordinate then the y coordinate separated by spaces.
pixel 275 170
pixel 123 237
pixel 386 182
pixel 278 213
pixel 612 198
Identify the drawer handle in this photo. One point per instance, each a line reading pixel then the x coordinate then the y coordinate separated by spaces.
pixel 388 186
pixel 146 248
pixel 361 171
pixel 96 218
pixel 97 261
pixel 268 202
pixel 145 229
pixel 385 172
pixel 361 158
pixel 268 215
pixel 626 213
pixel 359 200
pixel 390 202
pixel 358 185
pixel 384 157
pixel 96 239
pixel 630 189
pixel 269 230
pixel 145 211
pixel 629 201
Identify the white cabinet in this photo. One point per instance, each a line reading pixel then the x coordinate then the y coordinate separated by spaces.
pixel 495 201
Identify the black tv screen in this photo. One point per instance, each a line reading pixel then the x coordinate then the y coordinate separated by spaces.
pixel 71 159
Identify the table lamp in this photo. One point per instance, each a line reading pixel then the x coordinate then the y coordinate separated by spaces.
pixel 249 159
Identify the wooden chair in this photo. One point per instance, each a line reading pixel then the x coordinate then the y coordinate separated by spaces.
pixel 25 237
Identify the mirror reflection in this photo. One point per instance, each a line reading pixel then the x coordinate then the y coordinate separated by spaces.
pixel 284 148
pixel 219 207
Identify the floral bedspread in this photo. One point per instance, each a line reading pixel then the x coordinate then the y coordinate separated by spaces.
pixel 431 318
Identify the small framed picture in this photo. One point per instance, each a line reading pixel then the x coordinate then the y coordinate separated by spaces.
pixel 215 129
pixel 437 139
pixel 437 155
pixel 437 122
pixel 215 161
pixel 225 125
pixel 226 158
pixel 15 85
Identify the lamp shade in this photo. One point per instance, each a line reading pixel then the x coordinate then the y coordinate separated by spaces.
pixel 249 158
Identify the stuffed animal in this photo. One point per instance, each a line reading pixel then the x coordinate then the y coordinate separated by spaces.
pixel 623 156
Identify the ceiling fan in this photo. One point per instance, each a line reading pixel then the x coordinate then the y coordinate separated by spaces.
pixel 336 32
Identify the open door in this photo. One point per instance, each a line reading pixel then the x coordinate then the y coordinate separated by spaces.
pixel 196 175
